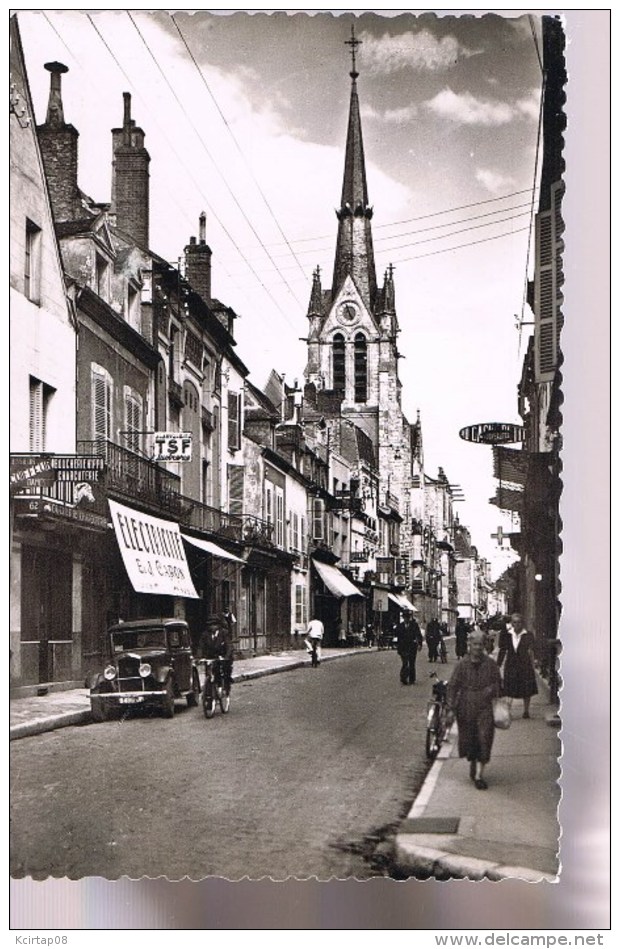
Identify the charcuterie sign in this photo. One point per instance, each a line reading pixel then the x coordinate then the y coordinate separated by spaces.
pixel 493 433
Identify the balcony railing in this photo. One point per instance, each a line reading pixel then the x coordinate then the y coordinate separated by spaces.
pixel 202 517
pixel 135 478
pixel 358 556
pixel 257 532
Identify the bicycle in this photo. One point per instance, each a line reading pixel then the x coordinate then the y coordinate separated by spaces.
pixel 214 691
pixel 438 717
pixel 312 647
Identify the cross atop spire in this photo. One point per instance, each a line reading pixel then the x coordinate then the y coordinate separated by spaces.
pixel 353 43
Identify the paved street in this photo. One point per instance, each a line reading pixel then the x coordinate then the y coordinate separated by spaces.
pixel 306 776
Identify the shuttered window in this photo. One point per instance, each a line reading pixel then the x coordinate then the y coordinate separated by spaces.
pixel 547 282
pixel 304 541
pixel 318 519
pixel 235 489
pixel 101 392
pixel 295 531
pixel 300 604
pixel 338 363
pixel 133 420
pixel 234 421
pixel 360 363
pixel 279 516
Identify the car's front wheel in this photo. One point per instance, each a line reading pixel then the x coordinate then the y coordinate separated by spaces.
pixel 168 702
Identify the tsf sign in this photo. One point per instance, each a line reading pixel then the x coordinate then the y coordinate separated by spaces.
pixel 173 446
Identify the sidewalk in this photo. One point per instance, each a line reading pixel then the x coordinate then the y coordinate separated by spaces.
pixel 510 831
pixel 36 714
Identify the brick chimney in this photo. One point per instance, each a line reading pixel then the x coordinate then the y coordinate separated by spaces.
pixel 198 261
pixel 59 149
pixel 130 178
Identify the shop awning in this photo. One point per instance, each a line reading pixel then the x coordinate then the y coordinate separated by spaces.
pixel 402 602
pixel 152 551
pixel 335 580
pixel 211 548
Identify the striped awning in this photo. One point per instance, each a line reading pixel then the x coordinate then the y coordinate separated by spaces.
pixel 335 580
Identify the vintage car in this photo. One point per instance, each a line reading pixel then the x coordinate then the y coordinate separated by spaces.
pixel 151 665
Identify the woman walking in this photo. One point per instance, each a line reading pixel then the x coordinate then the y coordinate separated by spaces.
pixel 516 647
pixel 474 684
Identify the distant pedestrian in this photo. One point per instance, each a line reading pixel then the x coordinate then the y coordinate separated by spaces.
pixel 516 651
pixel 474 684
pixel 370 635
pixel 314 638
pixel 341 634
pixel 433 635
pixel 462 631
pixel 408 641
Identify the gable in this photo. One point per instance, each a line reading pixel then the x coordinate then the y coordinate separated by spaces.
pixel 348 314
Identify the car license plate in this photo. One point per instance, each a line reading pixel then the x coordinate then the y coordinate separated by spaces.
pixel 131 699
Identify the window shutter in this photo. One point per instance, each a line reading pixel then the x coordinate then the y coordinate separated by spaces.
pixel 102 403
pixel 133 419
pixel 235 489
pixel 279 517
pixel 234 401
pixel 304 543
pixel 546 297
pixel 37 434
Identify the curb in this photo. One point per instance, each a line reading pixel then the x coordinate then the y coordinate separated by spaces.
pixel 410 858
pixel 64 719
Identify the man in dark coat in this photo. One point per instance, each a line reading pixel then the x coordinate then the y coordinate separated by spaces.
pixel 433 635
pixel 475 682
pixel 408 641
pixel 216 643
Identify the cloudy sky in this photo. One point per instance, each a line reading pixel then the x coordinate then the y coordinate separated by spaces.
pixel 245 118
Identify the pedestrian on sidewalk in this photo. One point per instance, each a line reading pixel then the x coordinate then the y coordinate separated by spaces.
pixel 408 641
pixel 433 635
pixel 516 651
pixel 314 638
pixel 462 632
pixel 474 684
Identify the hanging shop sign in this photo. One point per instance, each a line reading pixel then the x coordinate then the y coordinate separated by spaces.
pixel 152 551
pixel 493 433
pixel 40 471
pixel 380 601
pixel 172 446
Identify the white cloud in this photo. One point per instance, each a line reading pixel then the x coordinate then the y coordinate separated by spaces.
pixel 395 116
pixel 493 181
pixel 529 107
pixel 420 51
pixel 465 109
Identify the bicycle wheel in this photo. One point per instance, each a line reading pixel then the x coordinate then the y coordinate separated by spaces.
pixel 208 700
pixel 433 734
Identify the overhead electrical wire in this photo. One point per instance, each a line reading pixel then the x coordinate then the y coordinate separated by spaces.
pixel 220 222
pixel 238 147
pixel 182 210
pixel 207 151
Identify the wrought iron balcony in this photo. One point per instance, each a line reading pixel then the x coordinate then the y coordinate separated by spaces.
pixel 257 532
pixel 133 478
pixel 202 517
pixel 358 556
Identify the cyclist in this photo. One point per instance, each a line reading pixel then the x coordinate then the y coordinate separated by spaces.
pixel 314 638
pixel 216 643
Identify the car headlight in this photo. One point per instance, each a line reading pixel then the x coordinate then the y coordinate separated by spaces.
pixel 145 669
pixel 109 672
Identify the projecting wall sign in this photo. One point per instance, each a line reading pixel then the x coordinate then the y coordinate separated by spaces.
pixel 493 433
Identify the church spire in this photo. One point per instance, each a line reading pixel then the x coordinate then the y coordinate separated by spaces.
pixel 354 250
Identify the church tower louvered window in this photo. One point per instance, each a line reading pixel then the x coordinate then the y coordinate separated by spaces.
pixel 338 364
pixel 361 368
